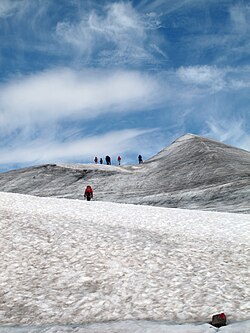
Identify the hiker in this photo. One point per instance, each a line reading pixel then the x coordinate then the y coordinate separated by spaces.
pixel 88 194
pixel 108 160
pixel 140 159
pixel 96 160
pixel 119 159
pixel 101 160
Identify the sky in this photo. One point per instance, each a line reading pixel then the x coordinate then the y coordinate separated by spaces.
pixel 86 78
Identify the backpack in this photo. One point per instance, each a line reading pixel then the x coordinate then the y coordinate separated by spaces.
pixel 219 320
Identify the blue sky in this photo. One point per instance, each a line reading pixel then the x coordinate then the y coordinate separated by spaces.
pixel 80 78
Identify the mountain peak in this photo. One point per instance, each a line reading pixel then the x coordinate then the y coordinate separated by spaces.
pixel 174 145
pixel 191 136
pixel 187 136
pixel 193 172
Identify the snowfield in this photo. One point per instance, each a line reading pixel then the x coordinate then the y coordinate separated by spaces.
pixel 72 262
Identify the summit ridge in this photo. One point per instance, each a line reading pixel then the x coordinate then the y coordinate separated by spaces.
pixel 193 172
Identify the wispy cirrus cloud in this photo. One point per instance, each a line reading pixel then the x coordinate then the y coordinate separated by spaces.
pixel 240 16
pixel 233 131
pixel 120 35
pixel 113 34
pixel 20 10
pixel 44 151
pixel 202 76
pixel 166 6
pixel 213 79
pixel 220 39
pixel 9 7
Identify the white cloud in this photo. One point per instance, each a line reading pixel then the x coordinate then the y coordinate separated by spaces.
pixel 230 131
pixel 211 79
pixel 240 15
pixel 7 8
pixel 203 76
pixel 65 94
pixel 12 7
pixel 34 109
pixel 169 6
pixel 54 95
pixel 45 151
pixel 120 35
pixel 240 84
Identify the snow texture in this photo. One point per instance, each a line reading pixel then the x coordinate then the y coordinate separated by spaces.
pixel 73 263
pixel 131 327
pixel 193 173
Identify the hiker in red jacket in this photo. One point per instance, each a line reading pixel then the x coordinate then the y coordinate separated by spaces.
pixel 88 193
pixel 119 159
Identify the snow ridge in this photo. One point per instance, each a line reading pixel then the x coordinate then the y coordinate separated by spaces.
pixel 193 172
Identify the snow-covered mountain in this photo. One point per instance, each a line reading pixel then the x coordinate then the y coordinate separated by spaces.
pixel 145 269
pixel 193 172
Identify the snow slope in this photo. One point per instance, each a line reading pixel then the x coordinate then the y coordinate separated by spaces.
pixel 193 173
pixel 76 262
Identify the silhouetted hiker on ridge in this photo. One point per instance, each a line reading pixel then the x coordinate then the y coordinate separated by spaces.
pixel 108 160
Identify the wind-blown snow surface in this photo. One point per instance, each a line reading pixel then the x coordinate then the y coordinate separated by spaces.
pixel 75 262
pixel 192 173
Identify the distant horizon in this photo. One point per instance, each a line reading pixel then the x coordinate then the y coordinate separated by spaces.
pixel 132 160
